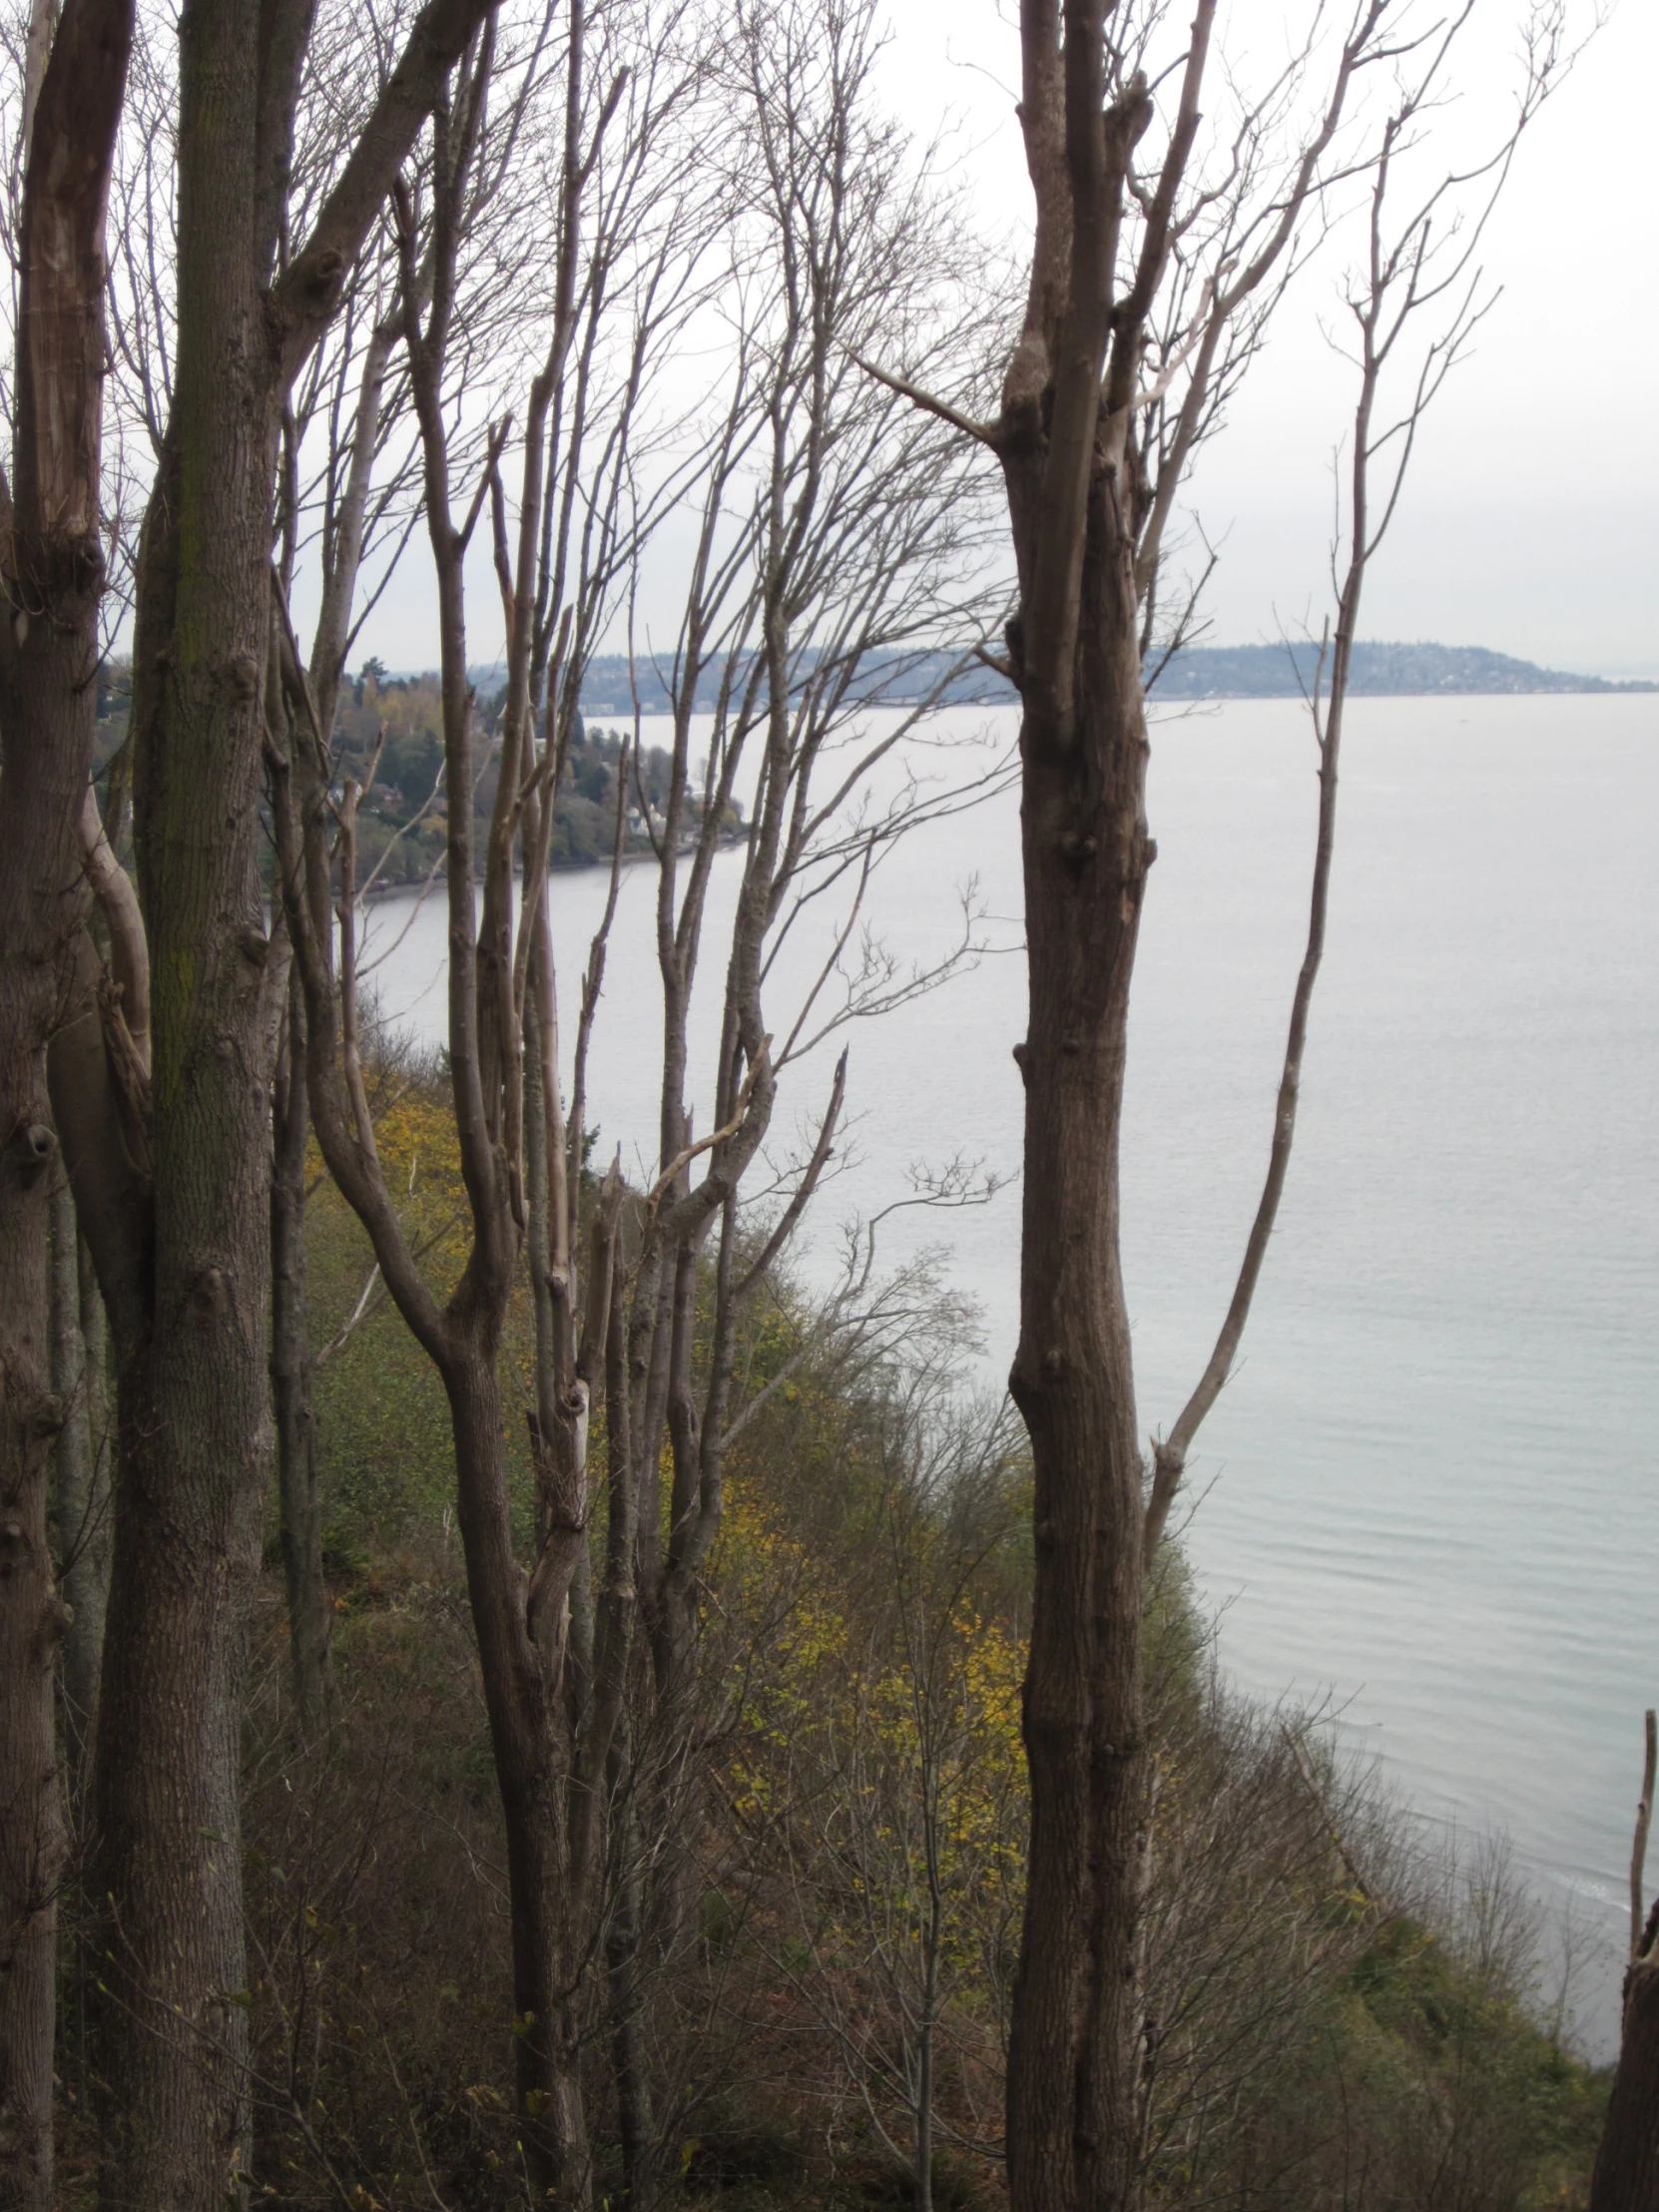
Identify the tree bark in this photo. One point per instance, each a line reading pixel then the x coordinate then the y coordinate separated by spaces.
pixel 524 1735
pixel 194 1439
pixel 82 1481
pixel 630 2049
pixel 1085 855
pixel 31 1820
pixel 80 1353
pixel 310 1661
pixel 1627 2166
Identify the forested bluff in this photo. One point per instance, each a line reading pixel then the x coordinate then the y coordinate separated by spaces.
pixel 1331 1990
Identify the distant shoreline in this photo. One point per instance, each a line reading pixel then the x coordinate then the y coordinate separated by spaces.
pixel 600 864
pixel 1589 688
pixel 1381 670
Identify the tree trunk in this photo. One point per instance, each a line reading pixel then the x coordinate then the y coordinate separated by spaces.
pixel 928 2029
pixel 1627 2164
pixel 1071 2057
pixel 82 1501
pixel 1075 502
pixel 923 2183
pixel 524 1735
pixel 310 1620
pixel 172 2027
pixel 1088 515
pixel 31 1822
pixel 194 1435
pixel 81 1518
pixel 630 2053
pixel 52 575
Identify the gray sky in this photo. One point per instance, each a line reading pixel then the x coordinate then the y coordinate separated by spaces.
pixel 1531 521
pixel 1532 518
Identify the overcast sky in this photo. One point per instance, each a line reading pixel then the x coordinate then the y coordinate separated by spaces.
pixel 1532 518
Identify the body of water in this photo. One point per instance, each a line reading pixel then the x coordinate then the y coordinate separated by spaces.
pixel 1428 1492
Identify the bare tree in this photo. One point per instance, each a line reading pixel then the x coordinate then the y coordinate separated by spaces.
pixel 354 435
pixel 169 1147
pixel 348 497
pixel 1080 508
pixel 834 548
pixel 1421 266
pixel 553 1669
pixel 852 550
pixel 53 570
pixel 1090 496
pixel 807 575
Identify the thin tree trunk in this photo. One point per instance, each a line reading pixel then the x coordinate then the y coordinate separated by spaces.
pixel 924 2101
pixel 1075 502
pixel 932 1945
pixel 547 2027
pixel 95 1336
pixel 630 2053
pixel 1071 2122
pixel 628 1957
pixel 1627 2160
pixel 518 1620
pixel 310 1660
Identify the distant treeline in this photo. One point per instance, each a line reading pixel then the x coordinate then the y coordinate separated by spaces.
pixel 1381 670
pixel 887 679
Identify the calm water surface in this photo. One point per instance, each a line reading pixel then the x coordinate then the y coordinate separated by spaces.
pixel 1429 1490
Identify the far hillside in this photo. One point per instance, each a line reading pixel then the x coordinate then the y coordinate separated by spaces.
pixel 1381 670
pixel 1390 671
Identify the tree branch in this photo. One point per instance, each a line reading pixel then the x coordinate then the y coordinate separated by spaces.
pixel 987 433
pixel 303 299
